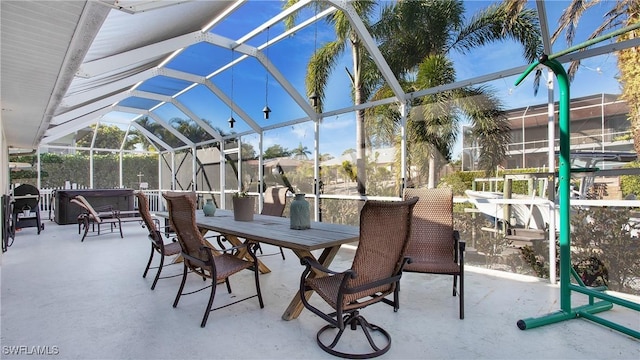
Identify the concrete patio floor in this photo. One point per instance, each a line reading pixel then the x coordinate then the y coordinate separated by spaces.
pixel 89 301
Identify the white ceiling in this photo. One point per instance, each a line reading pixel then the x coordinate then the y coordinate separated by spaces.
pixel 37 39
pixel 50 50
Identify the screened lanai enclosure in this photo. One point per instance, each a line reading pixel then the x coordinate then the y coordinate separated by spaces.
pixel 343 101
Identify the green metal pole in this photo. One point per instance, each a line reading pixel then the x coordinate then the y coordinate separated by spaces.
pixel 595 41
pixel 586 311
pixel 564 174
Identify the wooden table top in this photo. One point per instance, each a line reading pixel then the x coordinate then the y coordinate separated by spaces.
pixel 276 231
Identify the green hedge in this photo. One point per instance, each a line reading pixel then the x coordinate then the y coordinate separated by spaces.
pixel 57 169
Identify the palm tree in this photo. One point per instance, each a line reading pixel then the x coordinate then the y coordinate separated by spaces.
pixel 622 13
pixel 416 38
pixel 301 152
pixel 324 60
pixel 409 31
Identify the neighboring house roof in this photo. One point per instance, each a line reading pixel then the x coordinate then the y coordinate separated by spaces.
pixel 384 156
pixel 283 161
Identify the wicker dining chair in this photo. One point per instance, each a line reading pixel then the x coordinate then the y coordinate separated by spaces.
pixel 156 239
pixel 374 274
pixel 203 260
pixel 434 246
pixel 275 200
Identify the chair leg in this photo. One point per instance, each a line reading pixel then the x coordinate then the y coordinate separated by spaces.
pixel 86 230
pixel 155 281
pixel 184 279
pixel 455 284
pixel 461 296
pixel 144 275
pixel 256 275
pixel 211 296
pixel 396 297
pixel 352 321
pixel 282 253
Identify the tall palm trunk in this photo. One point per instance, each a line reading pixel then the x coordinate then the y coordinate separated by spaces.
pixel 628 60
pixel 432 172
pixel 359 98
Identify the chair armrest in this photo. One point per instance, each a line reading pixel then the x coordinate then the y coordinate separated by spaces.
pixel 236 248
pixel 229 250
pixel 313 263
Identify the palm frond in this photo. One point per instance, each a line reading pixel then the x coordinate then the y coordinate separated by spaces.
pixel 410 30
pixel 499 22
pixel 320 67
pixel 616 17
pixel 490 125
pixel 570 17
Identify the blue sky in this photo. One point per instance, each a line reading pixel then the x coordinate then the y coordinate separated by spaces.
pixel 290 57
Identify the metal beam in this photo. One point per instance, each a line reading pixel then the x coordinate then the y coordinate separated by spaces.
pixel 87 27
pixel 137 55
pixel 274 20
pixel 157 118
pixel 76 124
pixel 151 136
pixel 238 110
pixel 202 80
pixel 118 85
pixel 93 106
pixel 286 85
pixel 181 106
pixel 171 129
pixel 205 125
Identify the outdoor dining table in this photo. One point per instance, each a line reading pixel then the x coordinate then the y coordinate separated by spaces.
pixel 276 231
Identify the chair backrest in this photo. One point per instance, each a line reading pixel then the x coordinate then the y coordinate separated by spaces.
pixel 78 203
pixel 275 199
pixel 92 212
pixel 432 226
pixel 191 194
pixel 384 234
pixel 182 216
pixel 143 209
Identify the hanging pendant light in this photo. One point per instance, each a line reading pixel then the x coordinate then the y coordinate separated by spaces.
pixel 231 119
pixel 266 109
pixel 314 95
pixel 314 99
